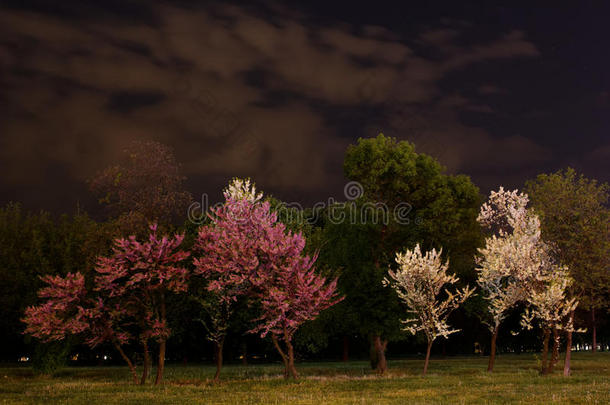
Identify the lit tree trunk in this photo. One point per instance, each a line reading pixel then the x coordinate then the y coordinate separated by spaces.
pixel 379 347
pixel 161 362
pixel 146 365
pixel 594 328
pixel 218 349
pixel 291 369
pixel 545 351
pixel 555 351
pixel 162 345
pixel 427 356
pixel 345 354
pixel 276 343
pixel 492 351
pixel 132 368
pixel 566 363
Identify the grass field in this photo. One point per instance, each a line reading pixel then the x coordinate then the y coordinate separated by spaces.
pixel 450 380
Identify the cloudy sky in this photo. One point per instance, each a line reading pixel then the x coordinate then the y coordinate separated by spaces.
pixel 277 90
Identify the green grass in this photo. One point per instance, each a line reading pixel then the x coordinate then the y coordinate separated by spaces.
pixel 450 380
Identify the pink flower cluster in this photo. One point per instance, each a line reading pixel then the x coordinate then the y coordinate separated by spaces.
pixel 127 296
pixel 246 251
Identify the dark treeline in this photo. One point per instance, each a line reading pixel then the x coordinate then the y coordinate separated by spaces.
pixel 356 242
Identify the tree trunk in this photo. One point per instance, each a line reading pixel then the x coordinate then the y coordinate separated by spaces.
pixel 545 351
pixel 132 368
pixel 291 369
pixel 218 349
pixel 379 348
pixel 162 344
pixel 492 351
pixel 146 365
pixel 161 362
pixel 282 354
pixel 427 357
pixel 566 363
pixel 345 354
pixel 594 328
pixel 555 352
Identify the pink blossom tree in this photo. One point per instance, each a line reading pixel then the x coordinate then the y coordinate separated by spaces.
pixel 291 295
pixel 141 275
pixel 127 302
pixel 246 251
pixel 62 313
pixel 227 248
pixel 69 311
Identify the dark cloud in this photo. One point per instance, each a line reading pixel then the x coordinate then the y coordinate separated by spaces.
pixel 238 91
pixel 127 101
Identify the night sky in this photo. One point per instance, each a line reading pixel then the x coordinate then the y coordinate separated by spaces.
pixel 277 90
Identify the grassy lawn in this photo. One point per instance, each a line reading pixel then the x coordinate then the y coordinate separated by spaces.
pixel 450 380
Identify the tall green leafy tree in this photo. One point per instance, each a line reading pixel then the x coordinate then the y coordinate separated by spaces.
pixel 423 205
pixel 350 248
pixel 575 219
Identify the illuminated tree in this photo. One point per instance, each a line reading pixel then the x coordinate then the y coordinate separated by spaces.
pixel 550 307
pixel 291 295
pixel 509 259
pixel 61 313
pixel 126 304
pixel 246 251
pixel 419 282
pixel 226 276
pixel 516 265
pixel 68 311
pixel 142 274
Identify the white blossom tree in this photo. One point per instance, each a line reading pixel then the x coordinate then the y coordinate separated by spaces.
pixel 516 265
pixel 510 258
pixel 551 309
pixel 420 282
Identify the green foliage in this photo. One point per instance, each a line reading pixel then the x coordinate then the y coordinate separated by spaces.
pixel 48 358
pixel 574 218
pixel 443 211
pixel 295 218
pixel 351 250
pixel 34 245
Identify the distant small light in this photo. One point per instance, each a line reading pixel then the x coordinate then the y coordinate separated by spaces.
pixel 24 359
pixel 105 357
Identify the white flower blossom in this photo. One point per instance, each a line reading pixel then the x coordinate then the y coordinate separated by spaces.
pixel 419 281
pixel 242 189
pixel 516 265
pixel 549 304
pixel 504 209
